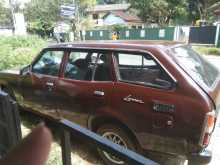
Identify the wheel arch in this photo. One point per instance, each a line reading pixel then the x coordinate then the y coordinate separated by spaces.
pixel 95 122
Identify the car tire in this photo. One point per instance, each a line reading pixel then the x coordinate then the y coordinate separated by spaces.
pixel 110 131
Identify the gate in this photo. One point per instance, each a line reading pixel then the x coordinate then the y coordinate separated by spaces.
pixel 202 35
pixel 10 130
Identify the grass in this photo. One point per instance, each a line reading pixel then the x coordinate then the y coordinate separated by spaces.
pixel 207 50
pixel 18 51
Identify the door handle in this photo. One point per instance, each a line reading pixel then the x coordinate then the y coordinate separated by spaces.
pixel 50 84
pixel 99 93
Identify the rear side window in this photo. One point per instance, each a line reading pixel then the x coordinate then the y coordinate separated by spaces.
pixel 141 69
pixel 48 63
pixel 135 60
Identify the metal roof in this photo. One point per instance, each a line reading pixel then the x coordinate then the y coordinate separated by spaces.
pixel 126 16
pixel 119 44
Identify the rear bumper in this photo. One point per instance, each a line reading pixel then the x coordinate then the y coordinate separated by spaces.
pixel 203 157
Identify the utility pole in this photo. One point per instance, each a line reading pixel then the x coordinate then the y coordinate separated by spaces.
pixel 13 16
pixel 76 20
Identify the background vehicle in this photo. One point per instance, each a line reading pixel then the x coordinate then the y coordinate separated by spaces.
pixel 158 97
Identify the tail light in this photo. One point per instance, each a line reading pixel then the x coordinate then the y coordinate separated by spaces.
pixel 208 128
pixel 210 122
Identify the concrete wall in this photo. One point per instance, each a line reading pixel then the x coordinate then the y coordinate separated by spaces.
pixel 6 32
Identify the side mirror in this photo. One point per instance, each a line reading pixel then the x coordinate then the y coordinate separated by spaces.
pixel 25 71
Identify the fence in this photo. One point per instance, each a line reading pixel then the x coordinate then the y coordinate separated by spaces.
pixel 68 129
pixel 133 34
pixel 203 35
pixel 10 131
pixel 198 35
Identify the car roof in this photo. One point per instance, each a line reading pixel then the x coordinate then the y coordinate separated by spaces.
pixel 119 44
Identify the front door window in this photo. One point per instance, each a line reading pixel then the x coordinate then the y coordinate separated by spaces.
pixel 48 63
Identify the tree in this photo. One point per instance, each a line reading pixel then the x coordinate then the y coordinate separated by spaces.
pixel 199 8
pixel 176 10
pixel 42 15
pixel 5 15
pixel 158 11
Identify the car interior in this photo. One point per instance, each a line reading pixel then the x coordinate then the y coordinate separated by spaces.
pixel 146 72
pixel 82 68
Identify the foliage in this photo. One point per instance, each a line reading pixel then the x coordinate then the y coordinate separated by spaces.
pixel 199 8
pixel 19 51
pixel 42 15
pixel 117 28
pixel 82 21
pixel 164 12
pixel 86 23
pixel 5 15
pixel 160 11
pixel 207 50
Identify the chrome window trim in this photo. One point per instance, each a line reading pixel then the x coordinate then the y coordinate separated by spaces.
pixel 117 49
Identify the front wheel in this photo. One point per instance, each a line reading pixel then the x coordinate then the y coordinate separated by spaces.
pixel 119 136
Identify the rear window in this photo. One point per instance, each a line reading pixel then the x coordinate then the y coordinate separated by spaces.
pixel 141 69
pixel 195 65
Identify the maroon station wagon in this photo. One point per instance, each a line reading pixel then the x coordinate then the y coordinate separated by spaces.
pixel 159 97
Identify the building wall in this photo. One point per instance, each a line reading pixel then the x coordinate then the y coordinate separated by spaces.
pixel 6 32
pixel 20 25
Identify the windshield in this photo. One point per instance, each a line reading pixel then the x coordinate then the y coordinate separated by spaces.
pixel 195 65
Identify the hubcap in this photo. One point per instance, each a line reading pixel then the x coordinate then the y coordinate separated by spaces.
pixel 115 138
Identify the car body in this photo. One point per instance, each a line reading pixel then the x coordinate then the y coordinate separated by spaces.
pixel 163 94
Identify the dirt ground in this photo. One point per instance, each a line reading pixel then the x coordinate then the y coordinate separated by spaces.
pixel 81 153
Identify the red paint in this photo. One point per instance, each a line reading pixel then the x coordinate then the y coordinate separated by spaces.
pixel 75 100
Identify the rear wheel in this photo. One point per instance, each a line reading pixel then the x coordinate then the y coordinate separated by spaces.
pixel 119 136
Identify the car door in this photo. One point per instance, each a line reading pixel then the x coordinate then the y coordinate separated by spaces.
pixel 39 86
pixel 143 95
pixel 85 85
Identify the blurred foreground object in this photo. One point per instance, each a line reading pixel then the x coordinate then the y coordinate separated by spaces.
pixel 33 150
pixel 10 128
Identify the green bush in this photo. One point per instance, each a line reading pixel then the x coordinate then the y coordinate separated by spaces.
pixel 207 50
pixel 18 51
